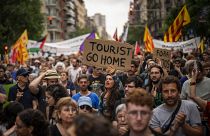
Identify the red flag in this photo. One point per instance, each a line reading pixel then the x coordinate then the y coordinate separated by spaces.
pixel 43 41
pixel 137 49
pixel 115 35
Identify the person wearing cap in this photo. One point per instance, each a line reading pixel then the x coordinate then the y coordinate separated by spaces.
pixel 20 91
pixel 85 104
pixel 51 77
pixel 37 88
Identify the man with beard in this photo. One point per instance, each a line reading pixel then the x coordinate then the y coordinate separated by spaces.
pixel 175 117
pixel 154 85
pixel 83 84
pixel 198 80
pixel 74 70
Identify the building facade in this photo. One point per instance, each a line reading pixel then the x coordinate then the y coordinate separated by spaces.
pixel 70 17
pixel 100 22
pixel 81 13
pixel 158 11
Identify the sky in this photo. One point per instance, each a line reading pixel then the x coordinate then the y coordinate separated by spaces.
pixel 116 12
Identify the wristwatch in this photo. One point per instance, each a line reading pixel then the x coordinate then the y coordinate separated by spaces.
pixel 192 83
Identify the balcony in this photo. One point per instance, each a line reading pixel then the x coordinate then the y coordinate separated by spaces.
pixel 51 3
pixel 70 21
pixel 70 13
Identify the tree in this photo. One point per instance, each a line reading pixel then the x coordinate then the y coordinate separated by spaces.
pixel 199 11
pixel 18 15
pixel 79 31
pixel 135 33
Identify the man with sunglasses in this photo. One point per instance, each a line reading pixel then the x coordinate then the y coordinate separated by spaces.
pixel 85 104
pixel 20 92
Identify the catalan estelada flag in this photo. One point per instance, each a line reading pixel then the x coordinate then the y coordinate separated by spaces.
pixel 174 32
pixel 148 42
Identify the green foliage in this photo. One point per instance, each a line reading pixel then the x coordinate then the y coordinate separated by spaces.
pixel 135 34
pixel 79 31
pixel 199 11
pixel 18 15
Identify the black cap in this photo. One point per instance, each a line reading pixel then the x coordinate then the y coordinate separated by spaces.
pixel 22 72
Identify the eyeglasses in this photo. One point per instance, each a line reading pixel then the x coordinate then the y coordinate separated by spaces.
pixel 136 113
pixel 85 107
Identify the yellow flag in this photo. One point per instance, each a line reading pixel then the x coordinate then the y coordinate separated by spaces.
pixel 149 45
pixel 21 53
pixel 96 36
pixel 174 32
pixel 201 46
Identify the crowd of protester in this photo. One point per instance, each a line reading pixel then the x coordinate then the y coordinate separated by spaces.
pixel 61 96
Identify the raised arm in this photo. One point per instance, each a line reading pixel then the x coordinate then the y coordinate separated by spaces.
pixel 33 86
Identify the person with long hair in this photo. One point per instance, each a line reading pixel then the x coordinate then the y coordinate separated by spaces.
pixel 109 97
pixel 53 94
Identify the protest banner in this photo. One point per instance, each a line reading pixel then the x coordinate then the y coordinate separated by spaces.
pixel 164 55
pixel 103 53
pixel 186 46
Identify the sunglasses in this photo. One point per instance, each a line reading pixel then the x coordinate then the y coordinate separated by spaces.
pixel 85 107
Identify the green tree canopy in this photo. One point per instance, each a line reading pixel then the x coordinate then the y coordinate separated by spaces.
pixel 135 33
pixel 18 15
pixel 79 32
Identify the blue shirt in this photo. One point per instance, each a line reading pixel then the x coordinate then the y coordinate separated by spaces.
pixel 93 96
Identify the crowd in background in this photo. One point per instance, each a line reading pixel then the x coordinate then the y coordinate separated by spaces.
pixel 61 96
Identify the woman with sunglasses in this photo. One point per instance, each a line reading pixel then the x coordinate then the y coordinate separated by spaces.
pixel 85 104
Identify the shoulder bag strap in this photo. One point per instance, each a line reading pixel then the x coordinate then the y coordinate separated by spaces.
pixel 172 117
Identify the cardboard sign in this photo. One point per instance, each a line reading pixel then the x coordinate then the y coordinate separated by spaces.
pixel 103 53
pixel 164 55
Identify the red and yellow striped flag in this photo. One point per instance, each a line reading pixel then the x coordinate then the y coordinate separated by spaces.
pixel 19 49
pixel 174 32
pixel 149 45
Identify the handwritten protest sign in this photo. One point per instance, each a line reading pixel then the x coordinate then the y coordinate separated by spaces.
pixel 164 55
pixel 102 53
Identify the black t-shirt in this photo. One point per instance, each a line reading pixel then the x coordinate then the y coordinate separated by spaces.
pixel 54 131
pixel 96 82
pixel 25 100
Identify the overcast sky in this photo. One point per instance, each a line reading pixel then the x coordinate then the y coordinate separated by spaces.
pixel 116 12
